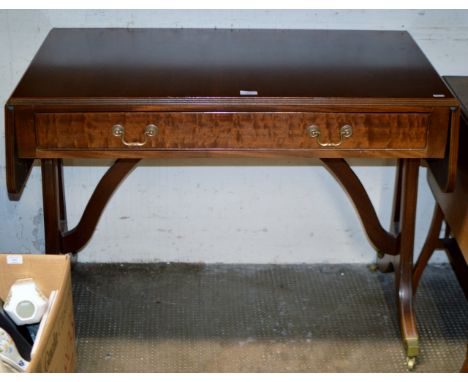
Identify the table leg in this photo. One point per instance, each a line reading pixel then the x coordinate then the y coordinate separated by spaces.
pixel 403 263
pixel 53 204
pixel 403 225
pixel 61 196
pixel 396 208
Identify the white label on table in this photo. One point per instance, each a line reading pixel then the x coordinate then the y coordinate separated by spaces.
pixel 248 92
pixel 14 259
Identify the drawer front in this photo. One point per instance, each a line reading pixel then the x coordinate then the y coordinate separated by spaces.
pixel 232 131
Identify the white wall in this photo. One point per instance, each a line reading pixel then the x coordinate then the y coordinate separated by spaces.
pixel 179 211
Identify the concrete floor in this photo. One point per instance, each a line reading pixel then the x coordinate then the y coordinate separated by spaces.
pixel 260 318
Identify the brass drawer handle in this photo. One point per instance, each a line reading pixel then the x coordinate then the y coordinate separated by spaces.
pixel 346 131
pixel 119 131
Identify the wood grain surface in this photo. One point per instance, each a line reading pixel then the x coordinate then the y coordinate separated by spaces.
pixel 232 130
pixel 76 64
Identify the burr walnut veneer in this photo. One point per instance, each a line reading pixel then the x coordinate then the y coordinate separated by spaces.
pixel 130 94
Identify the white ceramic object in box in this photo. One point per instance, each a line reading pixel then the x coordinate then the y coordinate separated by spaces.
pixel 25 303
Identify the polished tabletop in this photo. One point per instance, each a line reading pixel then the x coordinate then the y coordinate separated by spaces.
pixel 190 63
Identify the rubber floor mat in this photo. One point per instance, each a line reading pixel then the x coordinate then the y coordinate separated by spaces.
pixel 260 318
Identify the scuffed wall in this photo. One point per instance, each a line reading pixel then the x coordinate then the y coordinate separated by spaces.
pixel 239 211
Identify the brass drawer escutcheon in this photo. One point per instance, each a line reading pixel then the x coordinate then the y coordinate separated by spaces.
pixel 118 130
pixel 346 131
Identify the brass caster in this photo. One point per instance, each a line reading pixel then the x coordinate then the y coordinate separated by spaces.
pixel 373 267
pixel 411 363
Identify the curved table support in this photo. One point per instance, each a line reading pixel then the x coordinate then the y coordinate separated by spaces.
pixel 380 238
pixel 57 238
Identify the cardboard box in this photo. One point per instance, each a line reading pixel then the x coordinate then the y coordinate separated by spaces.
pixel 56 347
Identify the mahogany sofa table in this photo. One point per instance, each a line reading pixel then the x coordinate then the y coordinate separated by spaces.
pixel 130 94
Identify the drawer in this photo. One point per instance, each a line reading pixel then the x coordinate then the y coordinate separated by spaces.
pixel 232 131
